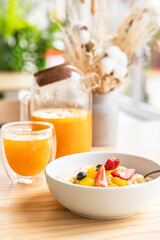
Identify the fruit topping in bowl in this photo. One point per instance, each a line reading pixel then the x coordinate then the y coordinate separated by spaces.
pixel 124 174
pixel 81 175
pixel 112 163
pixel 109 175
pixel 101 179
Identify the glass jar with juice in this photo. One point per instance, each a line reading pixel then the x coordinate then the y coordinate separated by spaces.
pixel 59 96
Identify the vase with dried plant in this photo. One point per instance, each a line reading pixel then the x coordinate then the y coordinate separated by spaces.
pixel 91 46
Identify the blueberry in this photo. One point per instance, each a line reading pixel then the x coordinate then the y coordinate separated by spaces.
pixel 81 175
pixel 98 166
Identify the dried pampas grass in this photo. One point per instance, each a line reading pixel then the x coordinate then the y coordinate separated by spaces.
pixel 138 28
pixel 75 53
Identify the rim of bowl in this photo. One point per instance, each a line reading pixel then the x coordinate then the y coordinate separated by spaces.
pixel 103 188
pixel 4 127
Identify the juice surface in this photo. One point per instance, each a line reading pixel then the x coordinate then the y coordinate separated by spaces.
pixel 73 129
pixel 27 155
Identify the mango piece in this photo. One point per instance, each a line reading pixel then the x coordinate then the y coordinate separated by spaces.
pixel 92 174
pixel 91 169
pixel 120 182
pixel 87 181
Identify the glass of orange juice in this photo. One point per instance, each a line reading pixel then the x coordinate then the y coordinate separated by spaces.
pixel 26 148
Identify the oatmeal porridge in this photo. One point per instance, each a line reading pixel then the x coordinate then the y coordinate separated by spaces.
pixel 109 175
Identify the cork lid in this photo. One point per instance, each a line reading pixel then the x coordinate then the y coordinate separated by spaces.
pixel 53 74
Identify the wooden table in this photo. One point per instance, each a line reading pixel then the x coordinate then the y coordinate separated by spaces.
pixel 33 213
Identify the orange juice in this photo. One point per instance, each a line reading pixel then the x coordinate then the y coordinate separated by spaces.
pixel 73 128
pixel 28 154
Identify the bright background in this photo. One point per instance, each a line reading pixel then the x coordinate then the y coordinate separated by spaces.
pixel 30 41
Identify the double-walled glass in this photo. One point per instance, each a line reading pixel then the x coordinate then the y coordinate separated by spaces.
pixel 26 148
pixel 66 104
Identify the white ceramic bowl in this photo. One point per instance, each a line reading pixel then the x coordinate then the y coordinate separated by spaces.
pixel 98 202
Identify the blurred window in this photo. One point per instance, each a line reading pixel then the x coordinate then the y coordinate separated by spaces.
pixel 142 87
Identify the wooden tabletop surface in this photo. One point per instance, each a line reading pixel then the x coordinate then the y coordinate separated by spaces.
pixel 33 213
